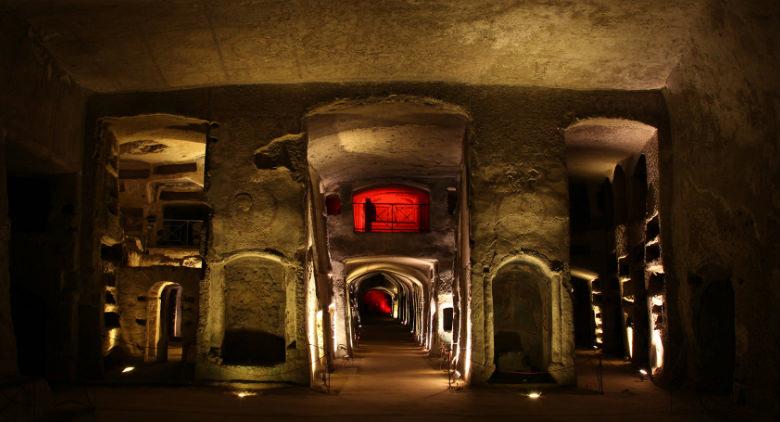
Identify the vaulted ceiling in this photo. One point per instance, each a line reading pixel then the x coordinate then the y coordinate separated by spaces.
pixel 131 45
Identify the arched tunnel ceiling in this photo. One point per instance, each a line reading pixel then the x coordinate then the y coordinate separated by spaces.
pixel 419 269
pixel 595 146
pixel 130 45
pixel 397 137
pixel 159 138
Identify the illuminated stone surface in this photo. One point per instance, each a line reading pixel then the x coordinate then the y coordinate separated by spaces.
pixel 629 144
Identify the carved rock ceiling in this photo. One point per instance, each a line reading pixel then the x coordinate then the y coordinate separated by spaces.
pixel 136 45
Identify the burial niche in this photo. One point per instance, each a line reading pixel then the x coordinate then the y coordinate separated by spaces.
pixel 254 312
pixel 521 318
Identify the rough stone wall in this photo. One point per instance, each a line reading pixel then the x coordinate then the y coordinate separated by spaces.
pixel 254 311
pixel 517 189
pixel 439 243
pixel 42 108
pixel 41 122
pixel 725 205
pixel 133 296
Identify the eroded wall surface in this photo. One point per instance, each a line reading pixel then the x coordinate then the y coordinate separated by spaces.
pixel 517 194
pixel 438 243
pixel 725 210
pixel 135 291
pixel 41 123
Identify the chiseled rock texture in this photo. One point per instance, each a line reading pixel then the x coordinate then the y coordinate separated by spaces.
pixel 518 191
pixel 724 202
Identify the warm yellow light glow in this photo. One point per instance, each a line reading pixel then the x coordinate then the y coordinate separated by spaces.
pixel 643 371
pixel 656 340
pixel 655 268
pixel 128 369
pixel 534 395
pixel 113 334
pixel 242 394
pixel 630 338
pixel 467 364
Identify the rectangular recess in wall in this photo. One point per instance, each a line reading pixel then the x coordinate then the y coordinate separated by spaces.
pixel 134 173
pixel 447 317
pixel 623 267
pixel 169 195
pixel 176 168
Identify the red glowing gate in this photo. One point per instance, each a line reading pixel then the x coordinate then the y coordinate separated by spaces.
pixel 391 209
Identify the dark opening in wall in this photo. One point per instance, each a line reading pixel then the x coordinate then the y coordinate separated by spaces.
pixel 653 228
pixel 333 204
pixel 176 168
pixel 624 269
pixel 111 253
pixel 452 200
pixel 579 206
pixel 168 195
pixel 134 173
pixel 653 252
pixel 655 284
pixel 183 225
pixel 111 320
pixel 519 316
pixel 583 313
pixel 245 347
pixel 186 212
pixel 447 319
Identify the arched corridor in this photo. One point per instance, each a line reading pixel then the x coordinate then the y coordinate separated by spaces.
pixel 396 210
pixel 390 366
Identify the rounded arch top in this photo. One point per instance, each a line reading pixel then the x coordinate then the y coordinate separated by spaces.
pixel 544 265
pixel 388 137
pixel 595 145
pixel 416 269
pixel 405 107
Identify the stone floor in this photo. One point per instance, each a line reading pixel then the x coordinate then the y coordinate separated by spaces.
pixel 391 379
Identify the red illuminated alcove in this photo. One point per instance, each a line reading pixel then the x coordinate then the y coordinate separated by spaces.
pixel 378 302
pixel 391 209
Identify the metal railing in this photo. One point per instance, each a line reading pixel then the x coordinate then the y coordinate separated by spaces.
pixel 380 217
pixel 182 233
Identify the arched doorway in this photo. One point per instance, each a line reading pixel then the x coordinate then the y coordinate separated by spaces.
pixel 164 322
pixel 521 318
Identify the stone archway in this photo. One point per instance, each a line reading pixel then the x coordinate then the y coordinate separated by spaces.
pixel 529 329
pixel 521 317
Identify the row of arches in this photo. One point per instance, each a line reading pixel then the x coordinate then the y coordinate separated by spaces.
pixel 614 192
